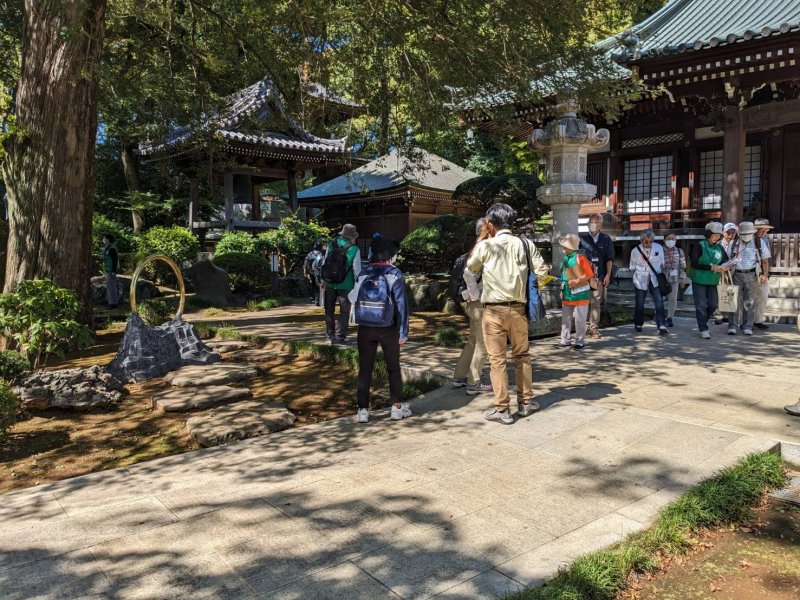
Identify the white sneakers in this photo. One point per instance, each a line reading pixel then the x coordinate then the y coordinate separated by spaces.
pixel 396 414
pixel 706 335
pixel 747 331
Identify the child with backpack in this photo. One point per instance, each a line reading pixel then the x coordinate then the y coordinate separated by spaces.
pixel 381 312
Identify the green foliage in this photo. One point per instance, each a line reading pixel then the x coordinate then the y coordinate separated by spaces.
pixel 177 243
pixel 449 337
pixel 41 319
pixel 236 241
pixel 248 273
pixel 125 241
pixel 515 189
pixel 9 404
pixel 213 312
pixel 271 303
pixel 13 365
pixel 414 389
pixel 229 333
pixel 727 498
pixel 347 357
pixel 205 331
pixel 435 245
pixel 155 312
pixel 292 241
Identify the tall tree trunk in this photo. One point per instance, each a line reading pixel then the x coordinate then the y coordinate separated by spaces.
pixel 130 166
pixel 49 167
pixel 383 135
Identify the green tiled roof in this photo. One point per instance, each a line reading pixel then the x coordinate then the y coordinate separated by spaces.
pixel 689 25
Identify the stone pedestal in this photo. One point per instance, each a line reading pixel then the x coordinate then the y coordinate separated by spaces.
pixel 566 142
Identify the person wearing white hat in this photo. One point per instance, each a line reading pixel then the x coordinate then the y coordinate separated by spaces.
pixel 762 229
pixel 576 293
pixel 706 258
pixel 730 235
pixel 751 253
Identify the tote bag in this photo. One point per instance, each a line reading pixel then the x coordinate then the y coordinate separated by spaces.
pixel 728 294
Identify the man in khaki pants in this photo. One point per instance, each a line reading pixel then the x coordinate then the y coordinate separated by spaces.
pixel 505 266
pixel 762 229
pixel 473 356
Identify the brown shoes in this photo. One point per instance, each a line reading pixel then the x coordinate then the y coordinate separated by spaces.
pixel 595 335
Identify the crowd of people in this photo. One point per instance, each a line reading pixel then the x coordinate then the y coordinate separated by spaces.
pixel 494 294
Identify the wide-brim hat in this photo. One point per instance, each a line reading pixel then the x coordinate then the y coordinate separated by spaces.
pixel 570 241
pixel 350 232
pixel 383 249
pixel 762 224
pixel 746 228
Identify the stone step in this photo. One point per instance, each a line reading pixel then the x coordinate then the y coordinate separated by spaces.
pixel 186 399
pixel 238 421
pixel 229 345
pixel 783 305
pixel 216 374
pixel 256 355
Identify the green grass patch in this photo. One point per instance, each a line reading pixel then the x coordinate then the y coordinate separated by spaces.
pixel 205 331
pixel 413 389
pixel 229 333
pixel 335 355
pixel 213 312
pixel 449 337
pixel 727 498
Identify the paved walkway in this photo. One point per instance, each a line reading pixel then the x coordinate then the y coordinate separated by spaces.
pixel 442 505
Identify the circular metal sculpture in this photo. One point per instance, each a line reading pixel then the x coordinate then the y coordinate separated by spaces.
pixel 140 267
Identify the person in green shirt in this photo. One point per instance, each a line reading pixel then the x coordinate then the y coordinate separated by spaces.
pixel 706 258
pixel 337 291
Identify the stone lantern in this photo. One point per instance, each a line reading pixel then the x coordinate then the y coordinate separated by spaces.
pixel 566 142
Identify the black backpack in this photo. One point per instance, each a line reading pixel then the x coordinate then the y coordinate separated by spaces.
pixel 457 285
pixel 334 267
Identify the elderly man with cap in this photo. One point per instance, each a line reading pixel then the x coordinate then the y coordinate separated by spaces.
pixel 762 229
pixel 706 258
pixel 340 269
pixel 751 253
pixel 576 270
pixel 647 261
pixel 730 236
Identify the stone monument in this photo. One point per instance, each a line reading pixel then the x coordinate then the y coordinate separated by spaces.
pixel 566 141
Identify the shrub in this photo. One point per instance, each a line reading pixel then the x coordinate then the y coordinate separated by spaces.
pixel 213 312
pixel 248 273
pixel 229 333
pixel 13 365
pixel 177 243
pixel 124 238
pixel 9 404
pixel 205 331
pixel 155 312
pixel 236 241
pixel 449 337
pixel 292 241
pixel 41 318
pixel 271 303
pixel 434 246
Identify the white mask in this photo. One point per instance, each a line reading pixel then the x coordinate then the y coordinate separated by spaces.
pixel 669 243
pixel 747 238
pixel 593 227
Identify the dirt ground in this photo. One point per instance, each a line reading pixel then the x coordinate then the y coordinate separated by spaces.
pixel 760 561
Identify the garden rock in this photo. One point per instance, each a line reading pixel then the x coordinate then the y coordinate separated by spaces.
pixel 229 345
pixel 76 389
pixel 257 355
pixel 183 400
pixel 211 284
pixel 550 325
pixel 148 352
pixel 218 374
pixel 427 294
pixel 144 289
pixel 238 421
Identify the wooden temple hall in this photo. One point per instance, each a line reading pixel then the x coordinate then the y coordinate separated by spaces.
pixel 251 141
pixel 722 141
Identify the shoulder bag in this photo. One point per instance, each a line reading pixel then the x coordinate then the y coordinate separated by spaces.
pixel 534 305
pixel 664 286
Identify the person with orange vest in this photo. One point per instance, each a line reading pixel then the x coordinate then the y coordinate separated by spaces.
pixel 576 292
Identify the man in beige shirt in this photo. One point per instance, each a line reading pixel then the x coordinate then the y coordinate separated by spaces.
pixel 503 259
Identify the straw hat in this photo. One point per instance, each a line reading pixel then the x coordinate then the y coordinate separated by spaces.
pixel 762 224
pixel 570 241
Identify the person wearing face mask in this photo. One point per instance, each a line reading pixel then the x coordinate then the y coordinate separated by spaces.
pixel 762 229
pixel 599 249
pixel 751 253
pixel 706 258
pixel 675 268
pixel 647 259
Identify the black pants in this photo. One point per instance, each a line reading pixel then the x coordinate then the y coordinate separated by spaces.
pixel 314 288
pixel 368 340
pixel 706 301
pixel 334 327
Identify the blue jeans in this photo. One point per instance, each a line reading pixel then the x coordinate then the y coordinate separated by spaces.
pixel 658 301
pixel 706 302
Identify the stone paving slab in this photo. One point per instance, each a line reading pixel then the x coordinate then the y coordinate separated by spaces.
pixel 239 421
pixel 225 346
pixel 217 374
pixel 186 399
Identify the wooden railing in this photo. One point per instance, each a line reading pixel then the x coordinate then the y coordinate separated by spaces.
pixel 785 253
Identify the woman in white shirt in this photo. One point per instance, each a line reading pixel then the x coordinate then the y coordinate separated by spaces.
pixel 644 279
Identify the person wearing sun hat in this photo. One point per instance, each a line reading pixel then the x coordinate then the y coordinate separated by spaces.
pixel 751 254
pixel 706 258
pixel 576 293
pixel 762 229
pixel 730 235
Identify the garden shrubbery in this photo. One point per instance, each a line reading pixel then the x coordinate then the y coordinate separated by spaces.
pixel 154 312
pixel 237 241
pixel 434 246
pixel 9 404
pixel 13 365
pixel 177 243
pixel 248 273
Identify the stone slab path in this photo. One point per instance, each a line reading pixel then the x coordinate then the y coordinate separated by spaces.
pixel 186 399
pixel 441 505
pixel 216 374
pixel 239 421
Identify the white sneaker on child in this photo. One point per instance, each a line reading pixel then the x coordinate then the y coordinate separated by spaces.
pixel 362 416
pixel 406 409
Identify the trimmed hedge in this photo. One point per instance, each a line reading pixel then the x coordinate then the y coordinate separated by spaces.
pixel 434 246
pixel 248 273
pixel 236 241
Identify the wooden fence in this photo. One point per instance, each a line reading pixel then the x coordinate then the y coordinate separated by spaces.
pixel 785 253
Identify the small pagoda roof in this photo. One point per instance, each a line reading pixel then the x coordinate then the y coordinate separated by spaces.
pixel 682 26
pixel 248 117
pixel 393 170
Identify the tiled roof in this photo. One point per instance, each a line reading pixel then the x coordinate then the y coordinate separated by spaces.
pixel 690 25
pixel 236 122
pixel 423 168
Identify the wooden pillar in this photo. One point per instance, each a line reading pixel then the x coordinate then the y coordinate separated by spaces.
pixel 256 208
pixel 194 202
pixel 228 184
pixel 733 166
pixel 292 183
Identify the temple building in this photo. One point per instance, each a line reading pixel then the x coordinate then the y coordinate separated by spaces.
pixel 393 194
